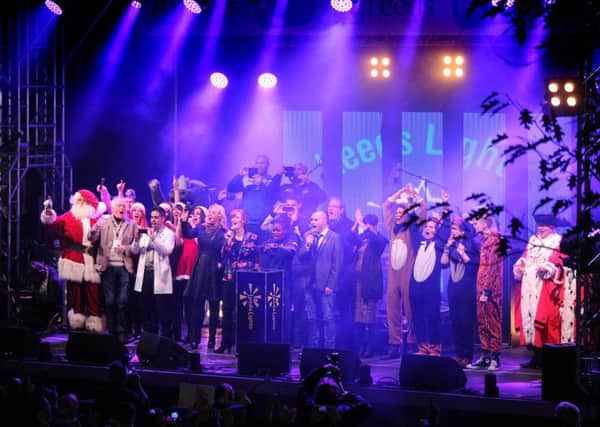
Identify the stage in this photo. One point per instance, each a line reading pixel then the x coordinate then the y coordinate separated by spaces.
pixel 519 388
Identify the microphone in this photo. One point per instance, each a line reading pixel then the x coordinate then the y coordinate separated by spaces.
pixel 373 204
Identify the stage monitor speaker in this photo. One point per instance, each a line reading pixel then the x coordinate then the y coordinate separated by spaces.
pixel 18 342
pixel 559 372
pixel 313 358
pixel 89 347
pixel 159 352
pixel 263 359
pixel 431 373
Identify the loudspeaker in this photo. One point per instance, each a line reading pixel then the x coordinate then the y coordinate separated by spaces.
pixel 263 359
pixel 313 358
pixel 162 353
pixel 88 347
pixel 559 372
pixel 19 342
pixel 431 373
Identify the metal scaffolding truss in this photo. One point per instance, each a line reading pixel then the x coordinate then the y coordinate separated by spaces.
pixel 33 128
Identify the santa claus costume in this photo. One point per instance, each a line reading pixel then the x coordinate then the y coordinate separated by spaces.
pixel 77 265
pixel 539 295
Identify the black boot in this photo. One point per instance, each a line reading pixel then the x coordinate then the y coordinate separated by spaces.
pixel 536 360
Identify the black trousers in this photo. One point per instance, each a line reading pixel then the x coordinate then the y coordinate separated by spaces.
pixel 155 309
pixel 461 299
pixel 228 326
pixel 195 312
pixel 425 304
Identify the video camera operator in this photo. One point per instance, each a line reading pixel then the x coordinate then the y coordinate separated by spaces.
pixel 322 399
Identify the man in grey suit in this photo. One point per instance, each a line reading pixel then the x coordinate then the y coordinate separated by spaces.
pixel 115 264
pixel 323 251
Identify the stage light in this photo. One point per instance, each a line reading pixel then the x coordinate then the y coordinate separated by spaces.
pixel 53 7
pixel 453 66
pixel 136 4
pixel 192 6
pixel 267 80
pixel 380 67
pixel 562 95
pixel 341 5
pixel 219 80
pixel 569 87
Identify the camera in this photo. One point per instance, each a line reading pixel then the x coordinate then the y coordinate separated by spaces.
pixel 252 172
pixel 287 209
pixel 143 230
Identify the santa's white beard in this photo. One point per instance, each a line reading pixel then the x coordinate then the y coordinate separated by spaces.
pixel 82 211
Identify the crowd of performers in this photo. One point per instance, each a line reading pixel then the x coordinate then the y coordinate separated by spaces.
pixel 127 276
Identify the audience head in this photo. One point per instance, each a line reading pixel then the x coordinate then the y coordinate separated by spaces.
pixel 318 221
pixel 238 219
pixel 224 396
pixel 157 217
pixel 117 207
pixel 216 216
pixel 567 415
pixel 335 209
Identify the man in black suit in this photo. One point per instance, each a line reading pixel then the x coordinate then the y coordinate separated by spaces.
pixel 323 250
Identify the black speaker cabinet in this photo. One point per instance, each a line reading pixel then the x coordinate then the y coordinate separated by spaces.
pixel 19 342
pixel 159 352
pixel 313 358
pixel 559 370
pixel 87 347
pixel 431 373
pixel 263 359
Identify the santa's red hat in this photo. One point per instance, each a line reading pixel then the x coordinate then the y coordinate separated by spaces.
pixel 91 199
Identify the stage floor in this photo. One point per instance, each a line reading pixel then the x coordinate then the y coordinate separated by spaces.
pixel 513 381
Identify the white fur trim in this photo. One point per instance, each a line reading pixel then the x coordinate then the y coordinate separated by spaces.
pixel 48 219
pixel 76 272
pixel 100 209
pixel 567 311
pixel 95 324
pixel 76 320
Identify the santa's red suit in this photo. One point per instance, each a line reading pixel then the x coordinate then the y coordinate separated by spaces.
pixel 540 295
pixel 76 264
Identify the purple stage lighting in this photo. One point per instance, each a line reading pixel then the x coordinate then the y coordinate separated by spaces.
pixel 136 4
pixel 267 80
pixel 53 7
pixel 192 6
pixel 219 80
pixel 341 5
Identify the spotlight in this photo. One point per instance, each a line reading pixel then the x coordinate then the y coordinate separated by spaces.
pixel 569 87
pixel 267 80
pixel 136 4
pixel 341 5
pixel 453 66
pixel 380 66
pixel 53 7
pixel 219 80
pixel 562 94
pixel 192 6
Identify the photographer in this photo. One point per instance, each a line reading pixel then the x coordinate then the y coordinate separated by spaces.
pixel 298 184
pixel 322 400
